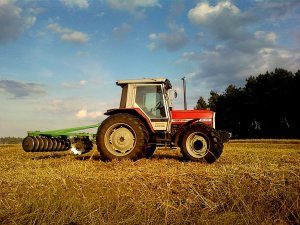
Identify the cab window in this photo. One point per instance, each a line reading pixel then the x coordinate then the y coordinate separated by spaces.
pixel 150 99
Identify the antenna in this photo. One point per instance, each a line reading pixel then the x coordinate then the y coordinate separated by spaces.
pixel 184 93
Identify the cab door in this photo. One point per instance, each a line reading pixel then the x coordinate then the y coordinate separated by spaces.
pixel 151 100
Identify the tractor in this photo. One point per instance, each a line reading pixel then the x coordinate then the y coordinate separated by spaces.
pixel 144 121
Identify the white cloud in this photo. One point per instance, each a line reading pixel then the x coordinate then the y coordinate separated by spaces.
pixel 238 50
pixel 224 21
pixel 131 5
pixel 83 4
pixel 84 113
pixel 266 36
pixel 122 30
pixel 75 85
pixel 203 11
pixel 75 36
pixel 12 21
pixel 172 41
pixel 134 7
pixel 68 34
pixel 219 67
pixel 72 107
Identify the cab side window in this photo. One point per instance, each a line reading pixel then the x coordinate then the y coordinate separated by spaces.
pixel 150 99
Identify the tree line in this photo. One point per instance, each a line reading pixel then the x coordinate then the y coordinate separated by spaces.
pixel 266 107
pixel 10 140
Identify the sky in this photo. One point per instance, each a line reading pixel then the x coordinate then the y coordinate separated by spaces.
pixel 60 59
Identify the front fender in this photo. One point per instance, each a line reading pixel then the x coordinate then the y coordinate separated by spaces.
pixel 179 132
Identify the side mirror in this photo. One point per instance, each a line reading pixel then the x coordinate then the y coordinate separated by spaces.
pixel 175 94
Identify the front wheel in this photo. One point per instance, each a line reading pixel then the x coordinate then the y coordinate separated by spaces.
pixel 201 143
pixel 122 136
pixel 150 151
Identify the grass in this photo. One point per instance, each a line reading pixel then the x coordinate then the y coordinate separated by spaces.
pixel 253 182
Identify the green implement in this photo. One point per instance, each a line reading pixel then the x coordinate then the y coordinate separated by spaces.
pixel 60 140
pixel 65 132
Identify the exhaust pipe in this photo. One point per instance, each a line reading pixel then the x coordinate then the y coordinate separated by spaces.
pixel 184 93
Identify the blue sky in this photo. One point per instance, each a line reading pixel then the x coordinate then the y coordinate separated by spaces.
pixel 59 60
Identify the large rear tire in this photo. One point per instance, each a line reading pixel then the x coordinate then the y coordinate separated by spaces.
pixel 122 136
pixel 201 143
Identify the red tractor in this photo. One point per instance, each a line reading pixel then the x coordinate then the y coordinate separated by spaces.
pixel 144 121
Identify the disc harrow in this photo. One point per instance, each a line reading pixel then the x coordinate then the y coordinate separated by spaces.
pixel 60 140
pixel 45 144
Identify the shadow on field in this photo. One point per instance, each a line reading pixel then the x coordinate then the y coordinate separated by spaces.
pixel 156 156
pixel 159 157
pixel 87 157
pixel 52 156
pixel 167 156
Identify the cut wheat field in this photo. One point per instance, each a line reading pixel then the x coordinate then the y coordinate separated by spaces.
pixel 253 182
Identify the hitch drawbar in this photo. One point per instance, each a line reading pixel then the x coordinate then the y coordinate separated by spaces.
pixel 60 140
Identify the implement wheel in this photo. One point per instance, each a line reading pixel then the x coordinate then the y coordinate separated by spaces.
pixel 122 136
pixel 201 143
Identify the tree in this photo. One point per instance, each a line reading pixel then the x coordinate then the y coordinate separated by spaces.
pixel 201 104
pixel 265 108
pixel 212 101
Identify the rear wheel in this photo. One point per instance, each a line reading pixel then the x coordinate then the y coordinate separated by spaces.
pixel 201 143
pixel 122 136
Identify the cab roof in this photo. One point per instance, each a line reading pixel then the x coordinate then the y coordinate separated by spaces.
pixel 159 80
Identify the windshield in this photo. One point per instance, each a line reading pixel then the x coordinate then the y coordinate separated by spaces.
pixel 150 99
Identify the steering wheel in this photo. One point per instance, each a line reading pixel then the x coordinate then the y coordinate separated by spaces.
pixel 159 105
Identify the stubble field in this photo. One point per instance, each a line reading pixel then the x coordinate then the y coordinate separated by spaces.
pixel 253 182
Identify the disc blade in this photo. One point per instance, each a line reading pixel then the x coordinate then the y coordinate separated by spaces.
pixel 36 144
pixel 54 141
pixel 45 147
pixel 41 144
pixel 28 144
pixel 58 144
pixel 50 144
pixel 62 145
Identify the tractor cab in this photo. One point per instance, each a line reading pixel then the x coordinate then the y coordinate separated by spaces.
pixel 151 97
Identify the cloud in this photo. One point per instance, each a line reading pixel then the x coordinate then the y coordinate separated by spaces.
pixel 204 12
pixel 223 66
pixel 121 31
pixel 83 4
pixel 224 21
pixel 21 89
pixel 61 106
pixel 134 7
pixel 267 37
pixel 75 36
pixel 68 34
pixel 277 10
pixel 12 21
pixel 238 50
pixel 85 108
pixel 75 85
pixel 85 114
pixel 172 41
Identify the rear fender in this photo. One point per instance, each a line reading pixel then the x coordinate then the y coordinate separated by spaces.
pixel 134 111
